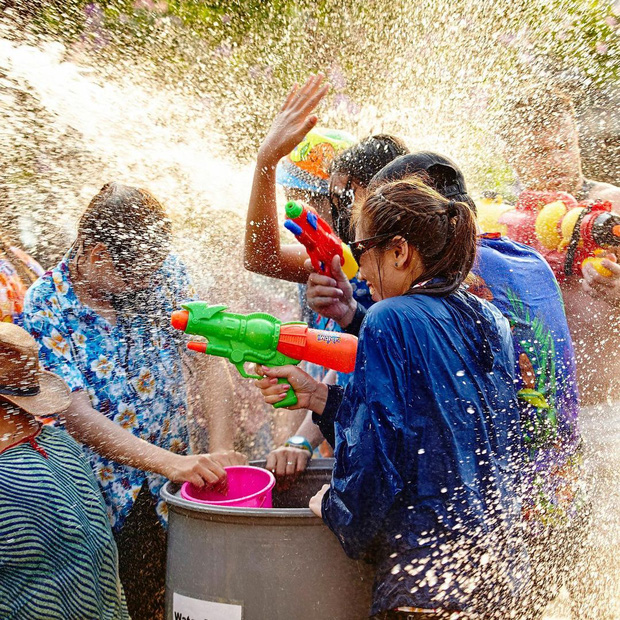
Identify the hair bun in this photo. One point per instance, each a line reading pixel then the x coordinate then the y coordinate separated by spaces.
pixel 452 209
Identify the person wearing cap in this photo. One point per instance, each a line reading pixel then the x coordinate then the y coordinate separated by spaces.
pixel 425 477
pixel 102 320
pixel 58 558
pixel 518 281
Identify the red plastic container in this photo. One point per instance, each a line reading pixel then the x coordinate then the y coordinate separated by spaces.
pixel 248 487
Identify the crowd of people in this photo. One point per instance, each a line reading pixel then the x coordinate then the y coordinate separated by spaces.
pixel 458 452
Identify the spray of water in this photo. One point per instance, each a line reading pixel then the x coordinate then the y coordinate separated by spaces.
pixel 175 96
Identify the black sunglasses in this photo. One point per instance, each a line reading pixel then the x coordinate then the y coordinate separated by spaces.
pixel 363 245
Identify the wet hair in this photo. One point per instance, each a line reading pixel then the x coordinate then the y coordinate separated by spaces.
pixel 435 170
pixel 537 107
pixel 360 163
pixel 443 231
pixel 132 225
pixel 363 160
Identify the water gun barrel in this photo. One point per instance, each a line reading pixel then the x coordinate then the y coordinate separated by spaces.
pixel 319 239
pixel 179 319
pixel 329 349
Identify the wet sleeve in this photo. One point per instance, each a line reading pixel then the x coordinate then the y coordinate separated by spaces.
pixel 365 481
pixel 326 420
pixel 355 325
pixel 56 346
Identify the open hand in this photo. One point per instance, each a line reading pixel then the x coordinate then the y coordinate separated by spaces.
pixel 294 120
pixel 331 297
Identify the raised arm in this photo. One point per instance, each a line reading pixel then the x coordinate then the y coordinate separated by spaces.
pixel 264 253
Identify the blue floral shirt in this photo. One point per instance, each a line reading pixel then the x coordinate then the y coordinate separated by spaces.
pixel 132 371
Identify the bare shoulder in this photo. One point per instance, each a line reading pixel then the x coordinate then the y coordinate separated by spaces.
pixel 605 191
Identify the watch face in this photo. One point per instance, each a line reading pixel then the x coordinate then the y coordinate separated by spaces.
pixel 297 441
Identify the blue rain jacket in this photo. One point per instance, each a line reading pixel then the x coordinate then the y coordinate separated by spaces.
pixel 427 449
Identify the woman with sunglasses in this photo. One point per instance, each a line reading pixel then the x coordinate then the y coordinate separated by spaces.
pixel 427 436
pixel 519 283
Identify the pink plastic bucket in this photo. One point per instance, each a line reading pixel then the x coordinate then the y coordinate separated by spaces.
pixel 248 487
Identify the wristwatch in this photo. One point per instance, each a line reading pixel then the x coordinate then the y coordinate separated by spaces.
pixel 297 441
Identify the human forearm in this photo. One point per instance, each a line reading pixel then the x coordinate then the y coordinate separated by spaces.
pixel 107 438
pixel 352 322
pixel 262 235
pixel 263 252
pixel 112 441
pixel 217 392
pixel 325 419
pixel 310 431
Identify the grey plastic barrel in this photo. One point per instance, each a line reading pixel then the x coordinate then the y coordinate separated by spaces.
pixel 281 563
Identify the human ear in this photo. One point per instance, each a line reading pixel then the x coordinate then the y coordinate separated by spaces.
pixel 99 255
pixel 400 252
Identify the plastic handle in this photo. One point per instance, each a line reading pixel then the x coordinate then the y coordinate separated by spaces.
pixel 349 266
pixel 291 397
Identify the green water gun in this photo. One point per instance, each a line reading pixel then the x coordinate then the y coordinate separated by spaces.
pixel 261 338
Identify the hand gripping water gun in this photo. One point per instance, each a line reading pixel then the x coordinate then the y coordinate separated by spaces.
pixel 263 339
pixel 568 234
pixel 319 239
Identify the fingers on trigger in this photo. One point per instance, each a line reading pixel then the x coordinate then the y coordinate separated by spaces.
pixel 273 400
pixel 276 390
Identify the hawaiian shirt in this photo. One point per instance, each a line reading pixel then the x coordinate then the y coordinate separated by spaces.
pixel 132 371
pixel 518 281
pixel 12 286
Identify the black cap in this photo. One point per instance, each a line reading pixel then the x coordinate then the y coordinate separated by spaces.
pixel 445 175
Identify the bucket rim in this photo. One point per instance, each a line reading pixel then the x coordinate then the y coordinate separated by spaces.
pixel 173 499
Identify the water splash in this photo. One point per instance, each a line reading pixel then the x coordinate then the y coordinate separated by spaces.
pixel 168 97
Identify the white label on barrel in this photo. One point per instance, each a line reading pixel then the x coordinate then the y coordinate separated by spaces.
pixel 186 608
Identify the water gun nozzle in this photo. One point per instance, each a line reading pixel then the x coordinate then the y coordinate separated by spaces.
pixel 199 347
pixel 179 319
pixel 293 209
